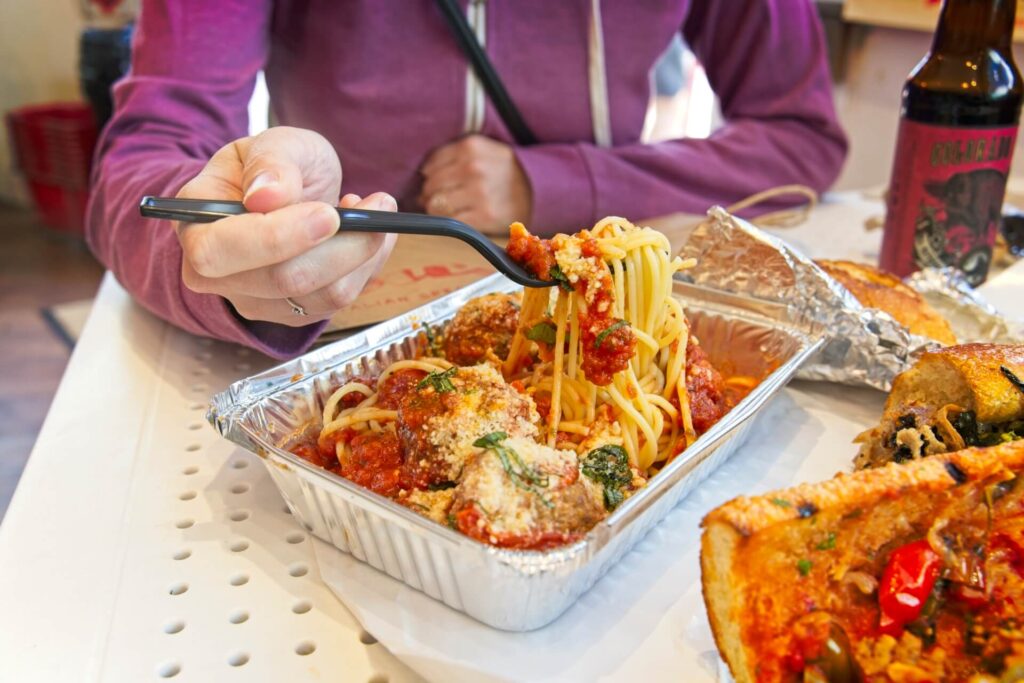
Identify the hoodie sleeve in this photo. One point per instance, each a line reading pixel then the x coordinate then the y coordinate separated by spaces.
pixel 766 61
pixel 194 66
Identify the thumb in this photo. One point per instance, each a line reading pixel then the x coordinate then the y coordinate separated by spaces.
pixel 285 165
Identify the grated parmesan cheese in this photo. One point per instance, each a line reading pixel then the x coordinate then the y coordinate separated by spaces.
pixel 484 403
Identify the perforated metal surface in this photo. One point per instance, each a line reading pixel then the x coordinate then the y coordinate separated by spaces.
pixel 207 576
pixel 215 566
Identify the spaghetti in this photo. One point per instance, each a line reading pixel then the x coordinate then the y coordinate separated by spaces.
pixel 559 408
pixel 620 337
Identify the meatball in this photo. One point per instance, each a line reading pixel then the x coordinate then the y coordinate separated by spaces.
pixel 483 324
pixel 439 422
pixel 705 387
pixel 516 493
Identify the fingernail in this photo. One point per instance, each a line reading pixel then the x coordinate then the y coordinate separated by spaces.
pixel 323 222
pixel 386 202
pixel 264 179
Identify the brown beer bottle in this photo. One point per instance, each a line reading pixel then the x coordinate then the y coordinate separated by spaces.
pixel 961 106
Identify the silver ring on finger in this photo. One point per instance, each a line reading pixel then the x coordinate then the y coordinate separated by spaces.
pixel 296 308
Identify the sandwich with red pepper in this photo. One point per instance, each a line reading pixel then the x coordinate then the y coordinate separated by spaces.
pixel 910 572
pixel 953 398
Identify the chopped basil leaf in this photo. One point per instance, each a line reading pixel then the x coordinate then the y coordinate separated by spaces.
pixel 955 473
pixel 526 478
pixel 609 466
pixel 829 543
pixel 995 434
pixel 804 566
pixel 902 454
pixel 781 503
pixel 441 381
pixel 491 440
pixel 906 422
pixel 543 332
pixel 976 433
pixel 433 339
pixel 452 522
pixel 441 486
pixel 607 331
pixel 558 276
pixel 966 424
pixel 1014 380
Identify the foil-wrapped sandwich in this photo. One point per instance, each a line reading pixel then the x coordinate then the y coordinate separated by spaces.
pixel 874 327
pixel 884 291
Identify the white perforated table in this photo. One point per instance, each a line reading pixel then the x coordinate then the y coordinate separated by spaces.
pixel 142 546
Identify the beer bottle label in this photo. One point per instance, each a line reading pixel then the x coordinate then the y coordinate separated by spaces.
pixel 945 198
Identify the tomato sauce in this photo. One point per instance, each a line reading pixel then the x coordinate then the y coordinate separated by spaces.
pixel 705 388
pixel 413 415
pixel 311 452
pixel 591 248
pixel 607 348
pixel 375 462
pixel 607 343
pixel 397 386
pixel 531 252
pixel 473 523
pixel 542 399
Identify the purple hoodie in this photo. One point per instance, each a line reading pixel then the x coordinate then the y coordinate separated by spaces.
pixel 384 81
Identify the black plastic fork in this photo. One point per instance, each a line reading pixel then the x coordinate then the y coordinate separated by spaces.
pixel 355 220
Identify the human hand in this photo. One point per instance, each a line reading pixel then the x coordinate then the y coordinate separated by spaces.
pixel 478 181
pixel 288 247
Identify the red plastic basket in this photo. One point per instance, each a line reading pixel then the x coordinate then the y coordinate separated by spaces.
pixel 53 146
pixel 61 208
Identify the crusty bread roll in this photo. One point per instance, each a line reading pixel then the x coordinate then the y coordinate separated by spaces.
pixel 782 569
pixel 926 400
pixel 877 289
pixel 969 376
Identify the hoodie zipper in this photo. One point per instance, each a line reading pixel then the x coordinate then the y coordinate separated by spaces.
pixel 600 111
pixel 476 15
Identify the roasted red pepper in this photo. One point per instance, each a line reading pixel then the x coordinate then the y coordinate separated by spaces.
pixel 969 596
pixel 1011 547
pixel 907 581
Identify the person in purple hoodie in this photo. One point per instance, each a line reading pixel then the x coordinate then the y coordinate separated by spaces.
pixel 381 89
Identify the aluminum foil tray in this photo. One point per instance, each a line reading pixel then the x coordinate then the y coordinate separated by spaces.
pixel 508 589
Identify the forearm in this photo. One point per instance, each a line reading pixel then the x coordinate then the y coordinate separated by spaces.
pixel 194 64
pixel 146 256
pixel 193 68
